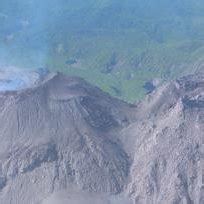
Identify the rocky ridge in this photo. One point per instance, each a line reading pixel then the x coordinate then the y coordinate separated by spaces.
pixel 64 132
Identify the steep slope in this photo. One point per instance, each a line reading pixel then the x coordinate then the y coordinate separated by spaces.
pixel 60 132
pixel 168 150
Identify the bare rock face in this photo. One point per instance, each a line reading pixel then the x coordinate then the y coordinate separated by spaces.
pixel 168 152
pixel 57 133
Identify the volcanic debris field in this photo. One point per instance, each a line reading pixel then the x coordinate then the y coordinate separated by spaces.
pixel 66 141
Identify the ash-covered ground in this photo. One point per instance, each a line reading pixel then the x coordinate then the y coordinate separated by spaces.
pixel 75 196
pixel 58 131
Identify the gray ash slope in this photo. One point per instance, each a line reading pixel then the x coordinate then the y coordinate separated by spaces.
pixel 64 132
pixel 169 145
pixel 57 134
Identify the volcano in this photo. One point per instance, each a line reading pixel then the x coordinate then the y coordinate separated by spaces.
pixel 58 131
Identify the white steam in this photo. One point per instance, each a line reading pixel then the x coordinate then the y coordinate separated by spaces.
pixel 12 78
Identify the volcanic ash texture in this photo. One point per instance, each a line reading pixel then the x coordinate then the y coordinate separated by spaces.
pixel 63 132
pixel 60 133
pixel 169 160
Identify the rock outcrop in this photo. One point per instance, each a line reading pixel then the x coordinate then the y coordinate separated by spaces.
pixel 62 132
pixel 168 152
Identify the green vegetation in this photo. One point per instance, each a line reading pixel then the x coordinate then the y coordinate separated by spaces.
pixel 117 45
